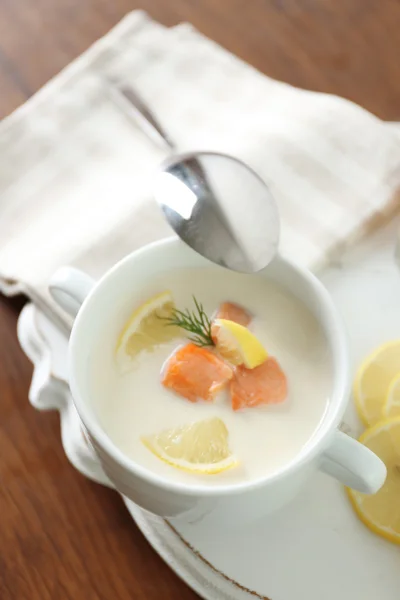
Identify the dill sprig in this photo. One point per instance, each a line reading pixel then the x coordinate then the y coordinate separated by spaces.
pixel 195 322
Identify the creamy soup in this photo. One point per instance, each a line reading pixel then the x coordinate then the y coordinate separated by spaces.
pixel 263 439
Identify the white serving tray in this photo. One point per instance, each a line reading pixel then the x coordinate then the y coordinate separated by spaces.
pixel 314 549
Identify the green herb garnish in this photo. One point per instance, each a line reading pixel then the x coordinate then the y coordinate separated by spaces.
pixel 195 322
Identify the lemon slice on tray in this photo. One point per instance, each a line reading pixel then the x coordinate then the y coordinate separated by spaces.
pixel 391 407
pixel 200 447
pixel 238 344
pixel 381 512
pixel 146 329
pixel 373 380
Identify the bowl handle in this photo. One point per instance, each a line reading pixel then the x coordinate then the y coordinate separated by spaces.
pixel 353 464
pixel 69 288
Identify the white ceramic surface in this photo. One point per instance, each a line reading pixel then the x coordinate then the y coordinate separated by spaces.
pixel 313 549
pixel 329 450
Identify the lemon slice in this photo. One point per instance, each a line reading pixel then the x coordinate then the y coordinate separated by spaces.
pixel 373 380
pixel 237 344
pixel 391 407
pixel 145 329
pixel 200 447
pixel 381 512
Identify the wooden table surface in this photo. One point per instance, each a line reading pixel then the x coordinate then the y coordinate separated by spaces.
pixel 61 536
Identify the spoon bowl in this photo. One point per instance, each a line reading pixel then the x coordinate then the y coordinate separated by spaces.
pixel 221 208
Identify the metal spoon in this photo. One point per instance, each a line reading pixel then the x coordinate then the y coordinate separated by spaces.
pixel 215 203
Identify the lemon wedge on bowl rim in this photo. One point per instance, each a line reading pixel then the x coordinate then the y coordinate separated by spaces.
pixel 145 329
pixel 373 380
pixel 238 344
pixel 200 447
pixel 381 512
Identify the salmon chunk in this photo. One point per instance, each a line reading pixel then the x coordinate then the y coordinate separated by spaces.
pixel 266 384
pixel 233 312
pixel 196 373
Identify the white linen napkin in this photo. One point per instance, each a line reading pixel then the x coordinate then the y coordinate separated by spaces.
pixel 75 168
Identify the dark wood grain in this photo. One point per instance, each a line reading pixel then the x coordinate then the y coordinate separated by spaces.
pixel 61 536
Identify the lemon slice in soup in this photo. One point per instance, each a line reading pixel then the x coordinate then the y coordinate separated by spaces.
pixel 146 329
pixel 200 447
pixel 238 344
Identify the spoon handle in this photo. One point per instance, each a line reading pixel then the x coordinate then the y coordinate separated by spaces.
pixel 142 113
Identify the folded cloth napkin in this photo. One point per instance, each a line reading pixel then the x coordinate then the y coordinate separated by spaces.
pixel 75 167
